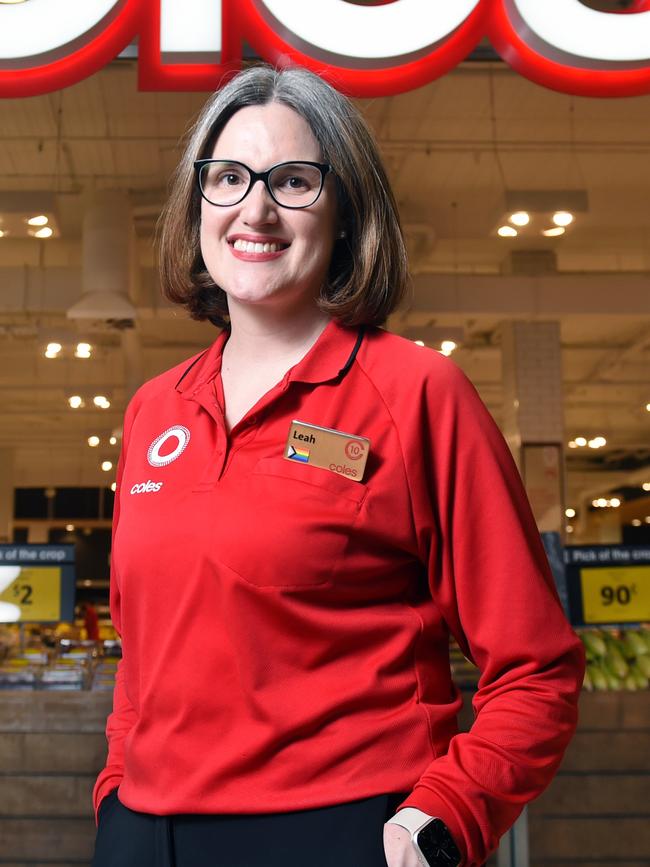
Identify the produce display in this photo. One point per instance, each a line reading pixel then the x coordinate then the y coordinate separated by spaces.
pixel 59 664
pixel 617 659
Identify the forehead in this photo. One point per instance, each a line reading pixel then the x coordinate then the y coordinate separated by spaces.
pixel 261 135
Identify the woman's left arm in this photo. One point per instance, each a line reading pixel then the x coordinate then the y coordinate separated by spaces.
pixel 489 576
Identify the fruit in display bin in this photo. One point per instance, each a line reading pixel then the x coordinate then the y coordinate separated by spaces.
pixel 616 659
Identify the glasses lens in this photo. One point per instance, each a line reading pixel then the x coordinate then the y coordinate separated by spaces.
pixel 223 183
pixel 295 184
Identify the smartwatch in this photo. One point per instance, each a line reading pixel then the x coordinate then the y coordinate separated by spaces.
pixel 432 839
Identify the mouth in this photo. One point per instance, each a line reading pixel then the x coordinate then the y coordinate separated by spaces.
pixel 253 247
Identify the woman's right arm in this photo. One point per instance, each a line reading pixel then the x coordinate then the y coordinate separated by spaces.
pixel 123 716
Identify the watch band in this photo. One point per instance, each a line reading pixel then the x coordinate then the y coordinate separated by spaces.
pixel 410 818
pixel 415 821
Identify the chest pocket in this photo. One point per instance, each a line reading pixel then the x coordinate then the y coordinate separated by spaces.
pixel 292 526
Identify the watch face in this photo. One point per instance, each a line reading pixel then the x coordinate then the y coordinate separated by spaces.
pixel 437 845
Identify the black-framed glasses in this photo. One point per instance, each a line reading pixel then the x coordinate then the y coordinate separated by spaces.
pixel 296 184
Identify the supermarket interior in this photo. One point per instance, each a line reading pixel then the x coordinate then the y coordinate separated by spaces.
pixel 525 213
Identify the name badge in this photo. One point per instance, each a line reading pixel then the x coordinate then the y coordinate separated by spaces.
pixel 334 450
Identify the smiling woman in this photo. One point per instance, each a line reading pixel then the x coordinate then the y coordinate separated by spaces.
pixel 304 512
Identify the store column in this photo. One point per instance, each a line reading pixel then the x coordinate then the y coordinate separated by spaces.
pixel 533 419
pixel 6 495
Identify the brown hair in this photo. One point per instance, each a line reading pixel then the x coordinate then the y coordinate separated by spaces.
pixel 368 273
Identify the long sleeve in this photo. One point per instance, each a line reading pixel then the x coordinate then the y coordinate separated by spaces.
pixel 120 721
pixel 488 574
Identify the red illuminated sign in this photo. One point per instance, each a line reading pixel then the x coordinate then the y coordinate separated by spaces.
pixel 389 47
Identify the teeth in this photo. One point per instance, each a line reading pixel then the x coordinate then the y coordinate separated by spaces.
pixel 250 247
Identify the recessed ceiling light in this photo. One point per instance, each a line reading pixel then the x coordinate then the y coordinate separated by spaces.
pixel 70 528
pixel 75 401
pixel 83 350
pixel 45 232
pixel 520 218
pixel 93 441
pixel 52 350
pixel 507 232
pixel 570 513
pixel 114 487
pixel 40 220
pixel 2 233
pixel 562 218
pixel 554 233
pixel 106 466
pixel 581 441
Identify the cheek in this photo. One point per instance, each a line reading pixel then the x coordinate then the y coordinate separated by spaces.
pixel 209 233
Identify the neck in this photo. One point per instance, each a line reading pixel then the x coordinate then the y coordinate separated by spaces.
pixel 262 338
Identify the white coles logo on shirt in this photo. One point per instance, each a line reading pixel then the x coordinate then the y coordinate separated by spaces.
pixel 177 432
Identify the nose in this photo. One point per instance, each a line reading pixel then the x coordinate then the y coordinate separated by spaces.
pixel 258 206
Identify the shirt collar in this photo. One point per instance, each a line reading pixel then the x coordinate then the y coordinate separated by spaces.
pixel 331 355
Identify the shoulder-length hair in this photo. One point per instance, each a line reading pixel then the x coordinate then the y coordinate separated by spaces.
pixel 368 273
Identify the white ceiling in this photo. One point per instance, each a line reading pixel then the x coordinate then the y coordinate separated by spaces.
pixel 454 149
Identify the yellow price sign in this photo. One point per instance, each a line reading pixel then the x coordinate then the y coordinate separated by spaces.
pixel 616 594
pixel 36 591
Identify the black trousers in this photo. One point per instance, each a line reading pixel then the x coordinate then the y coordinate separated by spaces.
pixel 344 835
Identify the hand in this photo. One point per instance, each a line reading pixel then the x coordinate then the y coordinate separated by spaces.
pixel 398 848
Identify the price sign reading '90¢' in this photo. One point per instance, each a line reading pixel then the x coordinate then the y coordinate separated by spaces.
pixel 615 593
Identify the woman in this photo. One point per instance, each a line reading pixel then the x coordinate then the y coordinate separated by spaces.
pixel 304 512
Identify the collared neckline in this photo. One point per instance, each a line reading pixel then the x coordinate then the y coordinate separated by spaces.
pixel 331 356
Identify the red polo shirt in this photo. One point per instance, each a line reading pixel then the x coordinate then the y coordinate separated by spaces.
pixel 285 628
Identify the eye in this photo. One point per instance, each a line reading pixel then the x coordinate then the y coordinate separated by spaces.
pixel 220 176
pixel 295 182
pixel 228 179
